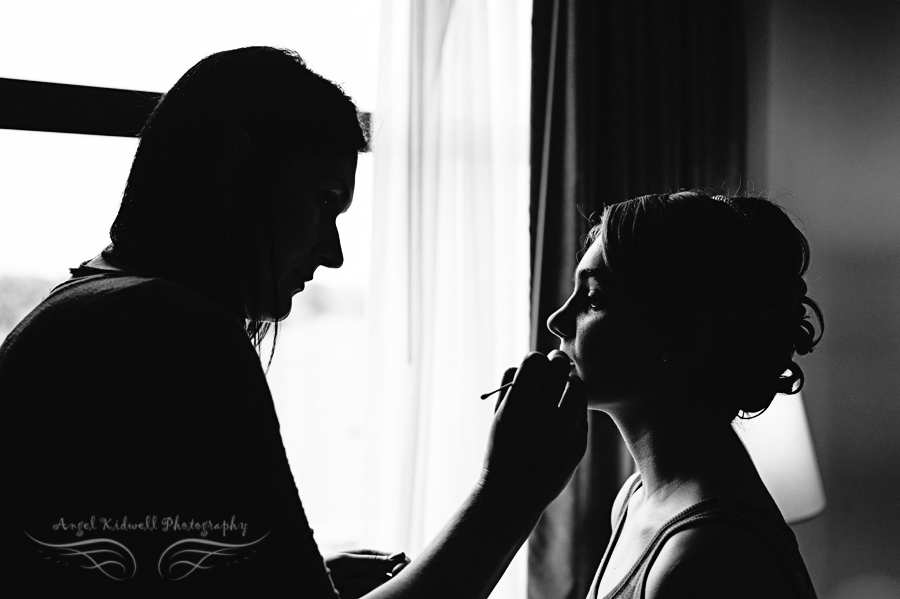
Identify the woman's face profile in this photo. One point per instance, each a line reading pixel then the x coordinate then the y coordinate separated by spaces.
pixel 310 195
pixel 610 342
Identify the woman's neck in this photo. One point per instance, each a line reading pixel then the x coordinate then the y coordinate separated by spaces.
pixel 679 455
pixel 200 280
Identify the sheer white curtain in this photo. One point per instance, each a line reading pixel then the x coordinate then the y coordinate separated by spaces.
pixel 450 273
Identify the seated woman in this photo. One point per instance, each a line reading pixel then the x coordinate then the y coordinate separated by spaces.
pixel 687 312
pixel 140 446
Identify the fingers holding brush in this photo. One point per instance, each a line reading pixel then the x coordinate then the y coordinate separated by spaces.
pixel 539 431
pixel 508 375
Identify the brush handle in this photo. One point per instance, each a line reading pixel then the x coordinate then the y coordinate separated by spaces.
pixel 498 390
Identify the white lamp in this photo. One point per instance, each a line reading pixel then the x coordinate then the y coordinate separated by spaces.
pixel 781 447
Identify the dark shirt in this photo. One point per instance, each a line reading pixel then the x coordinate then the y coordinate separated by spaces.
pixel 714 511
pixel 141 452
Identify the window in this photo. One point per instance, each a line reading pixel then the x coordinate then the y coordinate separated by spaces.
pixel 59 193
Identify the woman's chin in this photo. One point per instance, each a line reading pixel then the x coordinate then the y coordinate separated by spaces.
pixel 285 304
pixel 273 314
pixel 284 311
pixel 597 398
pixel 598 405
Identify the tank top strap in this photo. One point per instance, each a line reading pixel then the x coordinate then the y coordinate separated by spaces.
pixel 632 488
pixel 620 520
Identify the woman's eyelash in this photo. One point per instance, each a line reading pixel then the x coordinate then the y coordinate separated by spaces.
pixel 328 196
pixel 595 298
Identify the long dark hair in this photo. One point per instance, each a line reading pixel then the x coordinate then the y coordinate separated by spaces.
pixel 176 222
pixel 741 260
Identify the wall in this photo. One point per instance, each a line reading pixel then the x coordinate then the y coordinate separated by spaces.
pixel 825 140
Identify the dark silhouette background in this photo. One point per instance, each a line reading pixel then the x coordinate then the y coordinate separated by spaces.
pixel 825 123
pixel 628 98
pixel 822 135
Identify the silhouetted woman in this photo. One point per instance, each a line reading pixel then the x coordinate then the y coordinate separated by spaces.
pixel 687 311
pixel 140 446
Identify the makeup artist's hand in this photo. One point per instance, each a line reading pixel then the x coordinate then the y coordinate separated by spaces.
pixel 539 433
pixel 355 573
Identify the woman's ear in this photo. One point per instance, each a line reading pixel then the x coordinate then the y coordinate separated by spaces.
pixel 688 339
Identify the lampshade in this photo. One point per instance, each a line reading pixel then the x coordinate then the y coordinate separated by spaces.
pixel 781 448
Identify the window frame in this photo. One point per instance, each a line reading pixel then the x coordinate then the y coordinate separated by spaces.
pixel 65 108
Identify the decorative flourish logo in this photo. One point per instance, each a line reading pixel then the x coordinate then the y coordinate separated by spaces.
pixel 104 555
pixel 197 552
pixel 179 560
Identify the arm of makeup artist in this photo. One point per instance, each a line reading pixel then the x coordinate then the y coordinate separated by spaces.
pixel 538 437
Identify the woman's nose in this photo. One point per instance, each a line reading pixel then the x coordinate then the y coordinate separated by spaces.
pixel 329 252
pixel 559 325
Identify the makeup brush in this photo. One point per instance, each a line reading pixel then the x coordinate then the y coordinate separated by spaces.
pixel 508 375
pixel 498 390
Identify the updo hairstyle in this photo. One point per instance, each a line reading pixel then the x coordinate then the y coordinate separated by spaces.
pixel 738 259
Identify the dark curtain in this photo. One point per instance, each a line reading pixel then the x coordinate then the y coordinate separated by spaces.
pixel 629 97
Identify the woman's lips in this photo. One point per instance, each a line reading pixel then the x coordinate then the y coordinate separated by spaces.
pixel 574 371
pixel 573 363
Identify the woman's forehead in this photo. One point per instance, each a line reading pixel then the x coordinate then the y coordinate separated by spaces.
pixel 340 168
pixel 591 265
pixel 592 258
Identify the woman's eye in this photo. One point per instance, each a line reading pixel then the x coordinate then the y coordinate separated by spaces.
pixel 327 196
pixel 595 299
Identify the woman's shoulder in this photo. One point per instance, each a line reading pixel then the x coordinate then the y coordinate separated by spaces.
pixel 146 316
pixel 123 326
pixel 119 304
pixel 125 290
pixel 716 561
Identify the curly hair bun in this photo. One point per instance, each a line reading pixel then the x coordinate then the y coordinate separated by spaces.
pixel 740 259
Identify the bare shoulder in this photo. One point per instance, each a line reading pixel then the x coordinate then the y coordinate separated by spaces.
pixel 716 561
pixel 620 500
